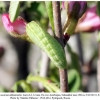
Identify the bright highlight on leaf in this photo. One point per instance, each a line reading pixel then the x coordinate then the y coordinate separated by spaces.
pixel 47 43
pixel 14 10
pixel 51 87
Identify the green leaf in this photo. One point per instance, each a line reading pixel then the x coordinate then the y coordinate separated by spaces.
pixel 51 87
pixel 14 10
pixel 50 12
pixel 47 43
pixel 3 89
pixel 98 8
pixel 37 10
pixel 22 86
pixel 41 8
pixel 2 7
pixel 74 59
pixel 74 80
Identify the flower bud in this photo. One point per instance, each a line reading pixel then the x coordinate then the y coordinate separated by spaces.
pixel 16 28
pixel 75 9
pixel 83 8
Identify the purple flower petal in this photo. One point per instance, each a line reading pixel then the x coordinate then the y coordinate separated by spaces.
pixel 75 7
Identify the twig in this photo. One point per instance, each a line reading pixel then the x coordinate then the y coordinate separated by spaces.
pixel 58 32
pixel 98 67
pixel 44 68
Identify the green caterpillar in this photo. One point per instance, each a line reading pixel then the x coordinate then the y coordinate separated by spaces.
pixel 47 43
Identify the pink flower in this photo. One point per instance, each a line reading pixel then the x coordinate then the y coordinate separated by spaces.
pixel 89 22
pixel 63 4
pixel 16 27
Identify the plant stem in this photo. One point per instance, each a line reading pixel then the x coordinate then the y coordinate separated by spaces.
pixel 80 49
pixel 57 22
pixel 98 67
pixel 59 37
